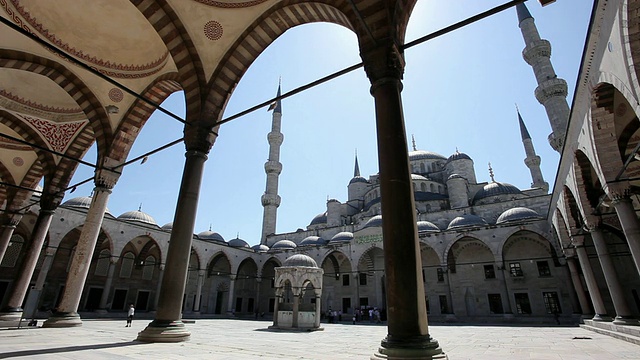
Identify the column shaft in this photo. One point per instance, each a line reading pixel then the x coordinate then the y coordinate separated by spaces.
pixel 107 286
pixel 5 238
pixel 33 299
pixel 592 285
pixel 630 226
pixel 196 305
pixel 577 285
pixel 296 310
pixel 232 287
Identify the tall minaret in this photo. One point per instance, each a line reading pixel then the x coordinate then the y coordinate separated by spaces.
pixel 273 168
pixel 532 160
pixel 551 91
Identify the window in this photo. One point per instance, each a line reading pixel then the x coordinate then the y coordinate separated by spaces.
pixel 362 277
pixel 495 304
pixel 543 268
pixel 102 266
pixel 440 274
pixel 523 306
pixel 444 308
pixel 551 302
pixel 489 272
pixel 12 253
pixel 148 267
pixel 345 279
pixel 127 265
pixel 515 270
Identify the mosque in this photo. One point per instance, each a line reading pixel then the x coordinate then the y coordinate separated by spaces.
pixel 451 247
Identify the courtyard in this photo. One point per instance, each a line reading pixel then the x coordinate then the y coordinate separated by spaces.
pixel 244 339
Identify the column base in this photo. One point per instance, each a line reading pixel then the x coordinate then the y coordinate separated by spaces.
pixel 10 317
pixel 418 347
pixel 102 311
pixel 626 320
pixel 599 317
pixel 164 331
pixel 60 319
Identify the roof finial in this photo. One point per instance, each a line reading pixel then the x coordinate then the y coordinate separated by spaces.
pixel 209 226
pixel 238 235
pixel 413 141
pixel 356 170
pixel 140 207
pixel 491 173
pixel 457 152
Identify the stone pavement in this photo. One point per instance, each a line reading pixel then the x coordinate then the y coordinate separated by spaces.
pixel 223 339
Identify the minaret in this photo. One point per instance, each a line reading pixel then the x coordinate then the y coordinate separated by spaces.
pixel 356 170
pixel 273 168
pixel 532 160
pixel 551 91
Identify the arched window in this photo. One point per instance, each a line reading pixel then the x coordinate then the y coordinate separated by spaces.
pixel 148 267
pixel 432 187
pixel 423 187
pixel 102 267
pixel 127 265
pixel 13 251
pixel 422 170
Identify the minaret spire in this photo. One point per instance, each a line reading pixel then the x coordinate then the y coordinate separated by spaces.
pixel 552 90
pixel 413 142
pixel 270 199
pixel 532 160
pixel 491 173
pixel 356 170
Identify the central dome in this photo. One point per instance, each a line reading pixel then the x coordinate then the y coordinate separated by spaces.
pixel 421 154
pixel 496 188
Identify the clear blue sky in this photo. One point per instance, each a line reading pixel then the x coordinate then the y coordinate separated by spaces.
pixel 460 91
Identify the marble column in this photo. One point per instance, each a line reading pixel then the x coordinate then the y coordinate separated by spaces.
pixel 157 297
pixel 232 289
pixel 508 312
pixel 318 307
pixel 33 299
pixel 630 225
pixel 102 306
pixel 6 231
pixel 408 333
pixel 276 305
pixel 577 285
pixel 67 311
pixel 589 278
pixel 12 311
pixel 296 310
pixel 167 325
pixel 623 312
pixel 196 305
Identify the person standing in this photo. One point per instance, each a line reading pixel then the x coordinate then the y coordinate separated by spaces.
pixel 130 314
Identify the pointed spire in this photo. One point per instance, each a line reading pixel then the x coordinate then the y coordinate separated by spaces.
pixel 140 207
pixel 356 170
pixel 523 12
pixel 523 128
pixel 491 173
pixel 413 141
pixel 278 108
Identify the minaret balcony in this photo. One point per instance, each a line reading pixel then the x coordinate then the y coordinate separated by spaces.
pixel 275 138
pixel 551 88
pixel 535 50
pixel 271 167
pixel 270 200
pixel 532 161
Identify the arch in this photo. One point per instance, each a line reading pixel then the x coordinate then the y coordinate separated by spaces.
pixel 337 263
pixel 560 226
pixel 512 250
pixel 30 135
pixel 457 253
pixel 575 220
pixel 147 248
pixel 219 265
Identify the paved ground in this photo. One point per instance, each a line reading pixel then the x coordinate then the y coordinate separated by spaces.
pixel 223 339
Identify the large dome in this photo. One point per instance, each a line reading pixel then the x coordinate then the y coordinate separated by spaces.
pixel 458 156
pixel 495 189
pixel 81 202
pixel 319 219
pixel 358 179
pixel 138 216
pixel 426 226
pixel 211 236
pixel 375 221
pixel 284 245
pixel 517 214
pixel 421 154
pixel 300 260
pixel 466 221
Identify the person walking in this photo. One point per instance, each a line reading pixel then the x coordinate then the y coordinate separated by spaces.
pixel 130 313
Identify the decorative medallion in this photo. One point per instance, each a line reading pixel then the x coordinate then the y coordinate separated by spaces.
pixel 233 4
pixel 18 161
pixel 106 67
pixel 213 30
pixel 621 110
pixel 57 135
pixel 116 95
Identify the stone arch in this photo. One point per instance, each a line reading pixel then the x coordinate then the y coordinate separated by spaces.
pixel 560 226
pixel 336 263
pixel 246 286
pixel 219 265
pixel 536 247
pixel 576 219
pixel 457 254
pixel 150 246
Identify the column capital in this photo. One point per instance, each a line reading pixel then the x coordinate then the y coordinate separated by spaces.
pixel 50 200
pixel 199 137
pixel 618 191
pixel 569 253
pixel 11 220
pixel 577 240
pixel 233 277
pixel 106 178
pixel 383 62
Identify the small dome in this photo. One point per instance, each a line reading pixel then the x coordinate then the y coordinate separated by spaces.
pixel 358 179
pixel 421 154
pixel 283 245
pixel 496 188
pixel 310 241
pixel 426 226
pixel 455 176
pixel 319 219
pixel 300 260
pixel 465 221
pixel 517 214
pixel 168 226
pixel 418 177
pixel 341 237
pixel 81 202
pixel 238 243
pixel 458 156
pixel 211 236
pixel 375 221
pixel 260 248
pixel 138 216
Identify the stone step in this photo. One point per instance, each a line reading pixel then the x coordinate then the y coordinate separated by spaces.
pixel 615 334
pixel 626 329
